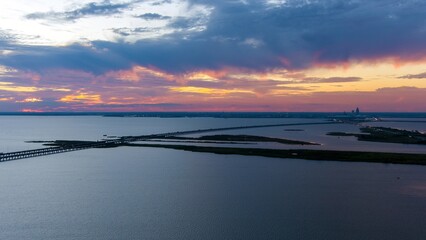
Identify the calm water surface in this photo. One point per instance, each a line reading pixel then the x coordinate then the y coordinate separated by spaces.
pixel 147 193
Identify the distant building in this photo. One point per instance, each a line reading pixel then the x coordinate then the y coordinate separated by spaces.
pixel 354 116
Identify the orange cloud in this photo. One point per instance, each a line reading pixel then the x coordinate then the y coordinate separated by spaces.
pixel 201 77
pixel 138 73
pixel 209 75
pixel 6 99
pixel 82 97
pixel 31 110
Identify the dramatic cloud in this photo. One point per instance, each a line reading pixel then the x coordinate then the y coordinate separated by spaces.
pixel 250 34
pixel 137 54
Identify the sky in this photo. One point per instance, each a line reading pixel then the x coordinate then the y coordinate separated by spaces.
pixel 205 55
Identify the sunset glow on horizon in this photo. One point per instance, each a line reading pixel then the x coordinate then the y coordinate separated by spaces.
pixel 198 55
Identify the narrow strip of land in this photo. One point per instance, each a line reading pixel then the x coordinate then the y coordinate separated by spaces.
pixel 238 138
pixel 329 155
pixel 198 131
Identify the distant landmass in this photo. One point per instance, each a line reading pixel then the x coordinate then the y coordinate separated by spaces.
pixel 224 114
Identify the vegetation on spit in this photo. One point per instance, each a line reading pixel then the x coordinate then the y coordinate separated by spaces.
pixel 388 135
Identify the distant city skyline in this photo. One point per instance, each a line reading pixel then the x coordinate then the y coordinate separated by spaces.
pixel 201 55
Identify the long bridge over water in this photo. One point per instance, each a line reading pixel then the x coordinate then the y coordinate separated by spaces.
pixel 128 139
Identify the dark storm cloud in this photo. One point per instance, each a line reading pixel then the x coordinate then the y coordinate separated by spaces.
pixel 89 9
pixel 254 35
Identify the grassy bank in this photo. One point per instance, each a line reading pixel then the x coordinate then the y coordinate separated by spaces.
pixel 242 138
pixel 387 135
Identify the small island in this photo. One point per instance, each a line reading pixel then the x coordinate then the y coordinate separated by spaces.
pixel 385 134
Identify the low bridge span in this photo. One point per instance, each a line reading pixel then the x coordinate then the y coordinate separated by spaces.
pixel 55 150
